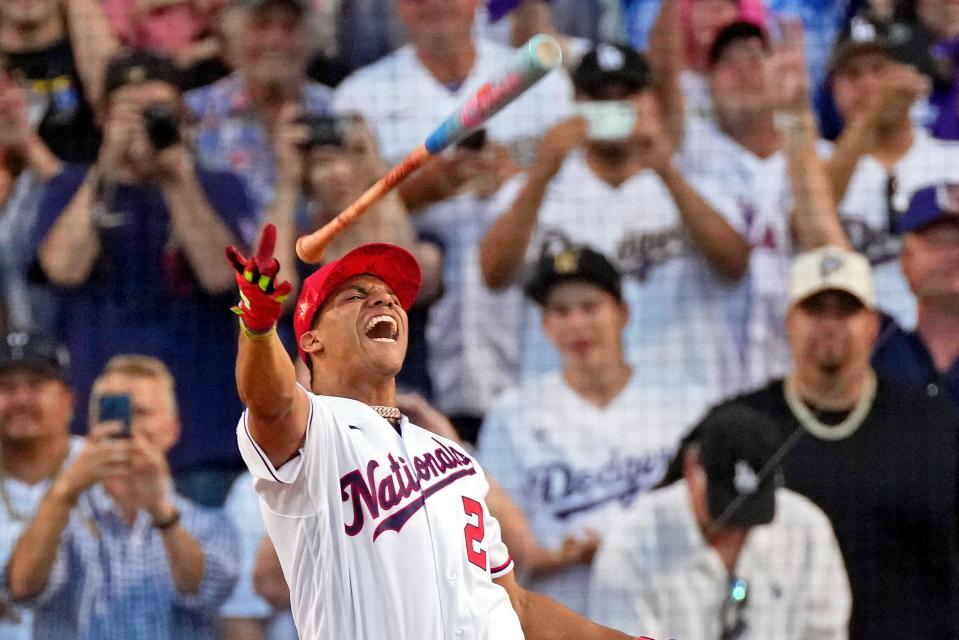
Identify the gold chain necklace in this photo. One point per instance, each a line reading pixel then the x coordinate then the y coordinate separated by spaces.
pixel 390 413
pixel 816 427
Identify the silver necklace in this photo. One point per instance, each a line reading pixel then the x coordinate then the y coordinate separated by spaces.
pixel 816 427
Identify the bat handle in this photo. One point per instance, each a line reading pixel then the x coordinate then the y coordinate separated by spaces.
pixel 310 248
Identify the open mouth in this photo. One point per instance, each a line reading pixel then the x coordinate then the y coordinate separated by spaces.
pixel 382 329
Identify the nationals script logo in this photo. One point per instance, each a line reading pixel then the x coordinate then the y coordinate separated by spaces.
pixel 377 491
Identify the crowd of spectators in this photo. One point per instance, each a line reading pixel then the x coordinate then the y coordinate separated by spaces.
pixel 694 298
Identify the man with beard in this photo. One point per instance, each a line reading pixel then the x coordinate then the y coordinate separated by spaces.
pixel 35 442
pixel 878 456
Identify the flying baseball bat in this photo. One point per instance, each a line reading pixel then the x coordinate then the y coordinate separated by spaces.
pixel 533 60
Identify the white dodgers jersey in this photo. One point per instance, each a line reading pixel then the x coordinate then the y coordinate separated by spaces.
pixel 382 535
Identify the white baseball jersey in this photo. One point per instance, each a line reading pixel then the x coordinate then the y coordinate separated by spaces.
pixel 678 332
pixel 571 465
pixel 382 535
pixel 865 213
pixel 655 573
pixel 472 357
pixel 760 189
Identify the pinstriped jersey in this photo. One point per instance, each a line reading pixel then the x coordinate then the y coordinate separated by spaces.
pixel 383 532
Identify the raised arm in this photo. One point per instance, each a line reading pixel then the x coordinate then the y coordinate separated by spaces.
pixel 196 226
pixel 93 44
pixel 503 249
pixel 32 561
pixel 724 248
pixel 665 53
pixel 277 409
pixel 72 245
pixel 815 219
pixel 900 86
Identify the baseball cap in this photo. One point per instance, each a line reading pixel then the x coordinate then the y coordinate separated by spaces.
pixel 864 36
pixel 930 205
pixel 36 353
pixel 829 268
pixel 139 66
pixel 736 443
pixel 609 64
pixel 733 33
pixel 392 264
pixel 580 264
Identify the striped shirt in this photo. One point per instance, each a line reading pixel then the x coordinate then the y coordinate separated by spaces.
pixel 16 510
pixel 112 580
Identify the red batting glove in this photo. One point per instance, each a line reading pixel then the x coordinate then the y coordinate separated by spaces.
pixel 261 298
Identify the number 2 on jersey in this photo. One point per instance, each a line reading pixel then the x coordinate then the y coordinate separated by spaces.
pixel 475 533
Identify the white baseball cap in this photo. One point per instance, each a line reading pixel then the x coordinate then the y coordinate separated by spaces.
pixel 829 268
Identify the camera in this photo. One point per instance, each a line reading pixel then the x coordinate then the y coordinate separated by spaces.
pixel 162 126
pixel 474 141
pixel 115 407
pixel 325 131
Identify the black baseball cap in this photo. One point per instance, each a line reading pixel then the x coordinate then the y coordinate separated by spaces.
pixel 864 36
pixel 930 205
pixel 579 263
pixel 736 444
pixel 34 352
pixel 733 33
pixel 608 65
pixel 138 66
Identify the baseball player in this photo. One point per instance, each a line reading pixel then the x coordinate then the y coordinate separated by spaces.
pixel 381 527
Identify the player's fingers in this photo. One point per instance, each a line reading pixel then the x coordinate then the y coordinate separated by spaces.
pixel 267 242
pixel 282 291
pixel 236 259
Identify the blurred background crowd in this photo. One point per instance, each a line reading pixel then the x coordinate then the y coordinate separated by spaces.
pixel 693 298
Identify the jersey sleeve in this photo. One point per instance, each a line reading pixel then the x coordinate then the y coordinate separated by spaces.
pixel 500 560
pixel 285 490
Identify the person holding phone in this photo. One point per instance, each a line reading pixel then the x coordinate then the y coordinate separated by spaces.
pixel 128 246
pixel 112 546
pixel 607 178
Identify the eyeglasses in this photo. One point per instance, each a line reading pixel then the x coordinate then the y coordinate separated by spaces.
pixel 734 606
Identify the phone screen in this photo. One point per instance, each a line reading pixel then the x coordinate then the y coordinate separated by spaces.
pixel 116 407
pixel 608 119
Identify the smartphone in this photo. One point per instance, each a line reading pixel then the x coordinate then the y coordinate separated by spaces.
pixel 474 141
pixel 115 406
pixel 608 119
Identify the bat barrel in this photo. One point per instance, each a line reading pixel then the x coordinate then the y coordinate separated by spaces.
pixel 540 55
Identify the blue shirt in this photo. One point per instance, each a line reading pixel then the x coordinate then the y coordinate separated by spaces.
pixel 113 581
pixel 142 297
pixel 902 356
pixel 231 136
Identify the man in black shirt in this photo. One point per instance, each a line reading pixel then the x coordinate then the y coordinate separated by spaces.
pixel 878 457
